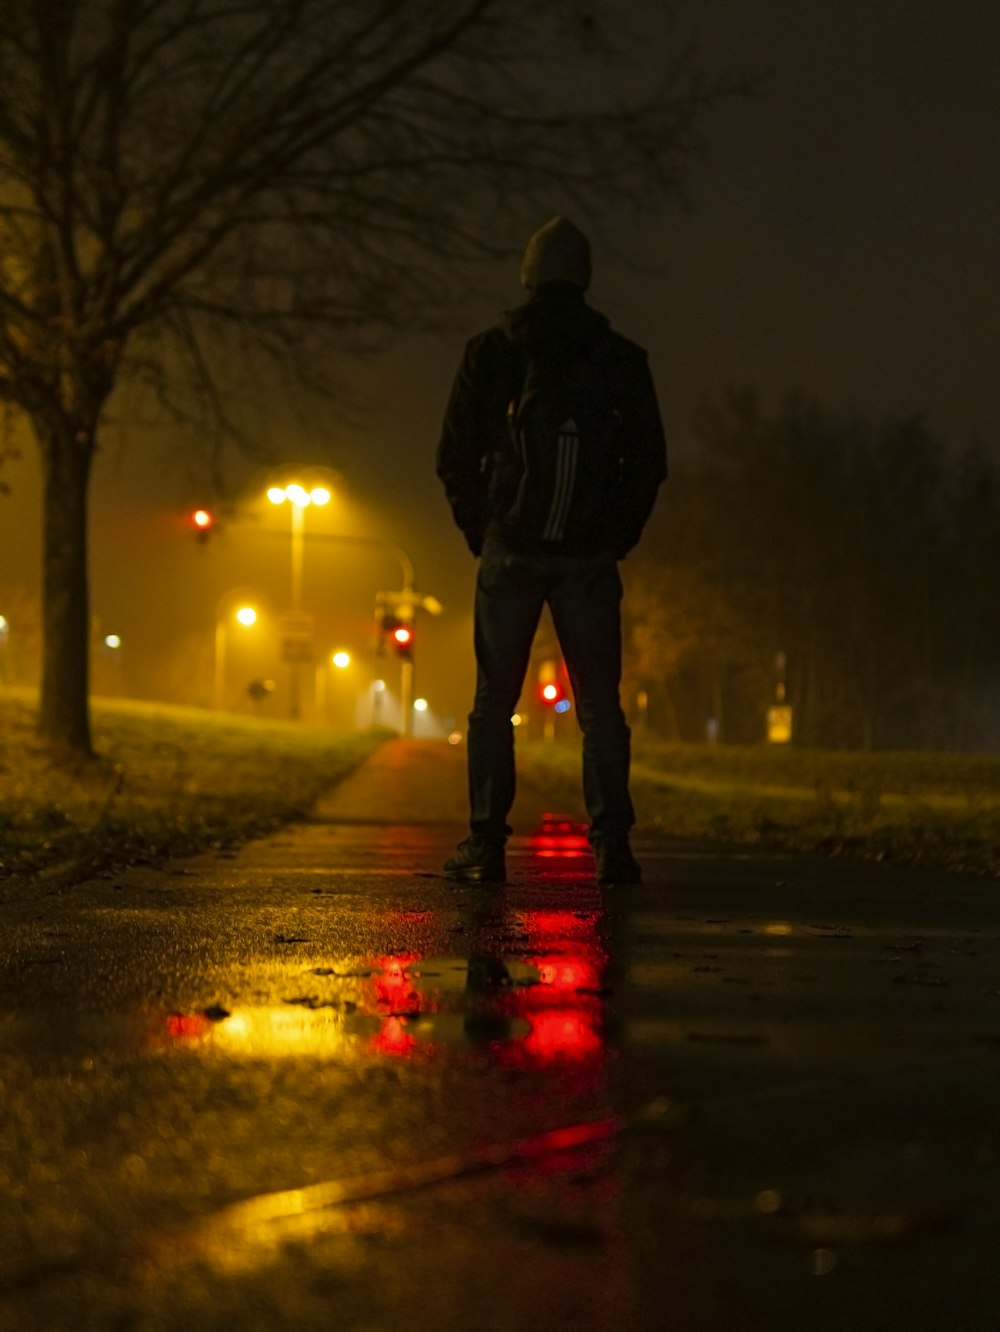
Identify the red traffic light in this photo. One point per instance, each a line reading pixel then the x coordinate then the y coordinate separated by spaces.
pixel 397 633
pixel 202 520
pixel 550 693
pixel 402 638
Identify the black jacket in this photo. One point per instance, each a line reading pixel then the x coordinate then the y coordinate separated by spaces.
pixel 556 322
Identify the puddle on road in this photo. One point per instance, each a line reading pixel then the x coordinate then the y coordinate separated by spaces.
pixel 526 987
pixel 541 1003
pixel 528 991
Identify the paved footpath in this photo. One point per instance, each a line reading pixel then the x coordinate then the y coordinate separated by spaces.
pixel 311 1085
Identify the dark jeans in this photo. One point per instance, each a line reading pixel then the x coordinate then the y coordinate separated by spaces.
pixel 584 594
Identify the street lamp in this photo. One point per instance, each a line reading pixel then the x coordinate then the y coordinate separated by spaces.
pixel 299 499
pixel 329 701
pixel 245 615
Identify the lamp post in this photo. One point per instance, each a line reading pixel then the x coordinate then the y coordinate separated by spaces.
pixel 246 615
pixel 325 704
pixel 298 645
pixel 112 644
pixel 298 499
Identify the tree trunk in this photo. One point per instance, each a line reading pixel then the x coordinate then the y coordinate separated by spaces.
pixel 64 716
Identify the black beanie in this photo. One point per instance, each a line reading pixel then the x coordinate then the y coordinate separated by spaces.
pixel 557 252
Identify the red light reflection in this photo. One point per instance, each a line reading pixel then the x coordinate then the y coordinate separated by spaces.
pixel 187 1026
pixel 394 987
pixel 394 1039
pixel 559 837
pixel 565 1011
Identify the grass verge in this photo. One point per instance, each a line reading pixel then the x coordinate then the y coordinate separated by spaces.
pixel 936 810
pixel 168 781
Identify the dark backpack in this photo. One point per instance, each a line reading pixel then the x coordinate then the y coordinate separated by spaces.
pixel 556 473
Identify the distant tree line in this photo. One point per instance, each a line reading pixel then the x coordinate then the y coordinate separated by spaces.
pixel 854 562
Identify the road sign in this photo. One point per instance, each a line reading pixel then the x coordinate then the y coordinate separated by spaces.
pixel 779 724
pixel 298 637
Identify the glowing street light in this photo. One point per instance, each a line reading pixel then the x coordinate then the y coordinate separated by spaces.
pixel 299 499
pixel 333 699
pixel 420 705
pixel 245 615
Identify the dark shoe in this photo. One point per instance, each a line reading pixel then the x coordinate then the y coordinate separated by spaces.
pixel 477 860
pixel 615 862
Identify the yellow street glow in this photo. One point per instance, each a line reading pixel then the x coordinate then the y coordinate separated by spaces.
pixel 112 641
pixel 420 705
pixel 319 495
pixel 298 495
pixel 246 615
pixel 276 495
pixel 341 660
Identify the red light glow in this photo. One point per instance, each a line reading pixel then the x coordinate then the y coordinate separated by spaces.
pixel 568 973
pixel 562 1035
pixel 393 985
pixel 187 1026
pixel 394 1039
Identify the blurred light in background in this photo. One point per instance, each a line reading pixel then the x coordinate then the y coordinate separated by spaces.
pixel 299 496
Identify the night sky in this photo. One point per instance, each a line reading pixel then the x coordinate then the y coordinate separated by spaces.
pixel 841 239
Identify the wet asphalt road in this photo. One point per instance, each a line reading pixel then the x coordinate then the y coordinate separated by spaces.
pixel 310 1085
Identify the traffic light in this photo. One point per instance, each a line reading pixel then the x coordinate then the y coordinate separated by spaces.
pixel 551 693
pixel 398 633
pixel 202 520
pixel 402 640
pixel 551 690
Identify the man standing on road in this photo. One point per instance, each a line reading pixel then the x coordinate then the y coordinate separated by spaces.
pixel 551 456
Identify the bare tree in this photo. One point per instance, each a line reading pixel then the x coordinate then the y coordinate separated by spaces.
pixel 178 173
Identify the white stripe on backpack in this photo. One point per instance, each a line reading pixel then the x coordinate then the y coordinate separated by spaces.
pixel 568 449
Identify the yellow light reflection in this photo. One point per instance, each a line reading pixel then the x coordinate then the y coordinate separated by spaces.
pixel 290 1029
pixel 778 927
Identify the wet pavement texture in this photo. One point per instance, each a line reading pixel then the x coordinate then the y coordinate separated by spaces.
pixel 309 1084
